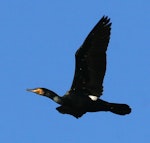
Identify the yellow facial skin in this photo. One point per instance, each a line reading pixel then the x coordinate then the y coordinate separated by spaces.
pixel 37 91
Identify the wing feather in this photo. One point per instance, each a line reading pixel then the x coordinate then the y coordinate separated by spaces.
pixel 91 60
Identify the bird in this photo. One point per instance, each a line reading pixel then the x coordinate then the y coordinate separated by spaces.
pixel 87 86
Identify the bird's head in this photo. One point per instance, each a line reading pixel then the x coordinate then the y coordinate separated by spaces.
pixel 47 93
pixel 40 91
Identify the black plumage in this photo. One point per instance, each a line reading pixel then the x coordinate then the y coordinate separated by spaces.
pixel 87 84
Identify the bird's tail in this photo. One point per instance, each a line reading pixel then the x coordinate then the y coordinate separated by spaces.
pixel 120 109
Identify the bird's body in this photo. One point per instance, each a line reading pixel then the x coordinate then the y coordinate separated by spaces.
pixel 87 85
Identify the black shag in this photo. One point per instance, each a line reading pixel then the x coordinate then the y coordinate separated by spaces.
pixel 87 86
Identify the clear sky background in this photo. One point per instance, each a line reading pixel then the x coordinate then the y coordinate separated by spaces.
pixel 38 40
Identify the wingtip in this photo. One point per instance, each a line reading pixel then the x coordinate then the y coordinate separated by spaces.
pixel 106 17
pixel 106 20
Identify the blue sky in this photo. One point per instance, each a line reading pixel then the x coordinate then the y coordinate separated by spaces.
pixel 38 40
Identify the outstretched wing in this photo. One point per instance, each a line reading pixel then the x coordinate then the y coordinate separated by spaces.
pixel 91 60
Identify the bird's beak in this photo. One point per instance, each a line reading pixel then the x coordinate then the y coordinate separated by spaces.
pixel 30 90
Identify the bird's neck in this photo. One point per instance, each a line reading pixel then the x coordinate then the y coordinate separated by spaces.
pixel 52 95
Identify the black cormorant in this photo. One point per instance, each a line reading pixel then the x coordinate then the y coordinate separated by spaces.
pixel 87 86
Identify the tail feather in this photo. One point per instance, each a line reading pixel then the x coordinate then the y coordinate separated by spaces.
pixel 121 109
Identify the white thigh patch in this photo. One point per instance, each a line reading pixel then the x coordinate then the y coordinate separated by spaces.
pixel 94 98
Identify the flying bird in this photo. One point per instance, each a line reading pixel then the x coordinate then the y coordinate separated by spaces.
pixel 87 86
